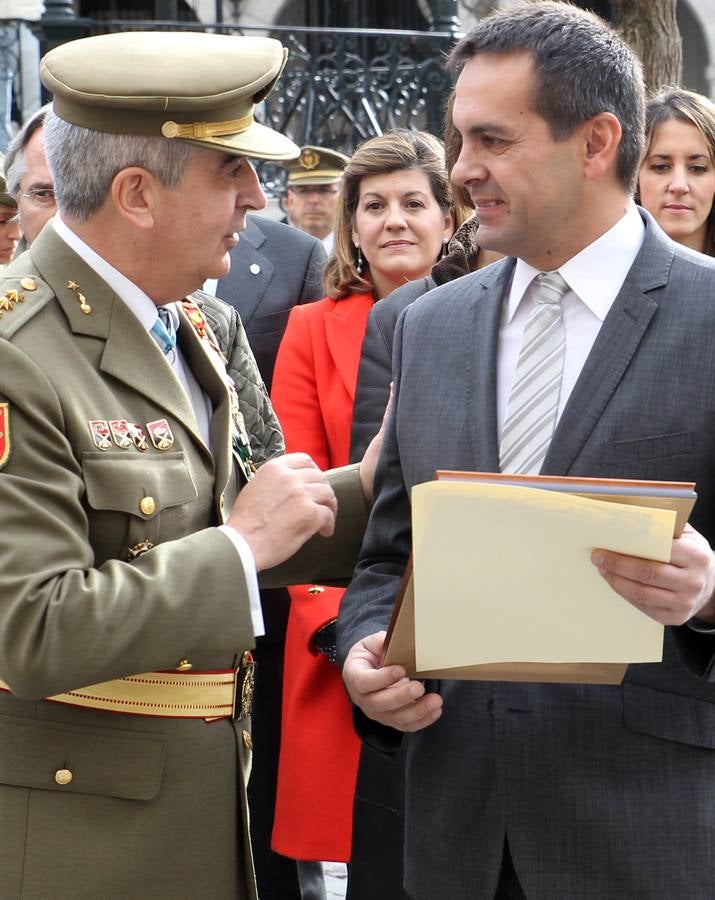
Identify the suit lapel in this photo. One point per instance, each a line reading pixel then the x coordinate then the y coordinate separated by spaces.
pixel 344 332
pixel 482 380
pixel 617 343
pixel 242 281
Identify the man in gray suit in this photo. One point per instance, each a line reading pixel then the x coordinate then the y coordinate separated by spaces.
pixel 554 792
pixel 273 268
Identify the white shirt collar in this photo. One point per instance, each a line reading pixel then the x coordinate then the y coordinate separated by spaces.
pixel 139 303
pixel 597 273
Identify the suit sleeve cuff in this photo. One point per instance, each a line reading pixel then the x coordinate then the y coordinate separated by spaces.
pixel 249 569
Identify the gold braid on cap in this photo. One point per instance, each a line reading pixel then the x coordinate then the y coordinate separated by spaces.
pixel 201 130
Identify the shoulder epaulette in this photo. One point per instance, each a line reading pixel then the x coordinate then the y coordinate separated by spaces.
pixel 21 298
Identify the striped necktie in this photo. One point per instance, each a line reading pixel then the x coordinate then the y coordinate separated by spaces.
pixel 534 398
pixel 163 332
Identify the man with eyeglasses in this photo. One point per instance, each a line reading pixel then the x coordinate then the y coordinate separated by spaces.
pixel 312 189
pixel 29 179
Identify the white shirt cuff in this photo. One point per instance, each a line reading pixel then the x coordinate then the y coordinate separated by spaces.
pixel 249 570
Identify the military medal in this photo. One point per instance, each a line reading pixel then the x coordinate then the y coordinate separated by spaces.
pixel 120 433
pixel 240 441
pixel 137 435
pixel 160 434
pixel 101 435
pixel 4 433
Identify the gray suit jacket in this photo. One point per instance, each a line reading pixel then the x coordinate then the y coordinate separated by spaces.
pixel 603 791
pixel 273 268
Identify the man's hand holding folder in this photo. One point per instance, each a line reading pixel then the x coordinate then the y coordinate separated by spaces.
pixel 670 592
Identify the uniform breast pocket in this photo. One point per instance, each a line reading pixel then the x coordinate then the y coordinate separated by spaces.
pixel 130 496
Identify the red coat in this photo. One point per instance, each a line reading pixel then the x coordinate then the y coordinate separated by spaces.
pixel 313 393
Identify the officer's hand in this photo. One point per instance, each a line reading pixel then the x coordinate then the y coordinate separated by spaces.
pixel 386 694
pixel 284 504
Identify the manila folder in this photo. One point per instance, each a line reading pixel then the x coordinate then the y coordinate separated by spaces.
pixel 503 587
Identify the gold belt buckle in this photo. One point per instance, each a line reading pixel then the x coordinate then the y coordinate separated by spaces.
pixel 245 677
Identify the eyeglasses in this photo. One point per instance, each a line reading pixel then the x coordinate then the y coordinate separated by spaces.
pixel 41 196
pixel 314 188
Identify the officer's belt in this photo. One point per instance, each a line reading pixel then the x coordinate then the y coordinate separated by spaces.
pixel 215 694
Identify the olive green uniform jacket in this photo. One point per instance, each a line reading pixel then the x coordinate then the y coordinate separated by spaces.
pixel 156 807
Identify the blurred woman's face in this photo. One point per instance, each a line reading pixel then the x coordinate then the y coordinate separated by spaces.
pixel 399 227
pixel 677 182
pixel 9 233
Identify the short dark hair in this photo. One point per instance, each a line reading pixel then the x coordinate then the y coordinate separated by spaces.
pixel 583 68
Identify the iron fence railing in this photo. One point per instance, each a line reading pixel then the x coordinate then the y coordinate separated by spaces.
pixel 340 86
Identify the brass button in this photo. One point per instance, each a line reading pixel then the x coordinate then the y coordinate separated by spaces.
pixel 248 740
pixel 184 665
pixel 316 589
pixel 63 776
pixel 148 506
pixel 28 284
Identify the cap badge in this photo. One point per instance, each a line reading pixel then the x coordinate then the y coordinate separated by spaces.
pixel 309 159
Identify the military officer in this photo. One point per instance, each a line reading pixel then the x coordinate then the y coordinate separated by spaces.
pixel 128 579
pixel 312 187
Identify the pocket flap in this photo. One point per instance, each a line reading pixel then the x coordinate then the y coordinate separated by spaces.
pixel 120 482
pixel 659 446
pixel 112 763
pixel 673 717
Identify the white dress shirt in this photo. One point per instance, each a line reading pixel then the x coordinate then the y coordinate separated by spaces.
pixel 146 311
pixel 595 277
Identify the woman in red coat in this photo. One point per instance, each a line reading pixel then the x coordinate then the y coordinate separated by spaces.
pixel 394 216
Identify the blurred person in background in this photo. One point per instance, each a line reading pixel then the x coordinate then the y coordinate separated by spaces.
pixel 29 179
pixel 312 188
pixel 676 182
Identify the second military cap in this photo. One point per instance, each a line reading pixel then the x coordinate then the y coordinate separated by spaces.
pixel 190 86
pixel 315 165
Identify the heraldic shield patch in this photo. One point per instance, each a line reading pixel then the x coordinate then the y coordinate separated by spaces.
pixel 4 433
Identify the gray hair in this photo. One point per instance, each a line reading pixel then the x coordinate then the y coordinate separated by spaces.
pixel 582 69
pixel 16 158
pixel 84 163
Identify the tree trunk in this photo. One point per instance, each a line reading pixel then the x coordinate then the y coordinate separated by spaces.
pixel 651 29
